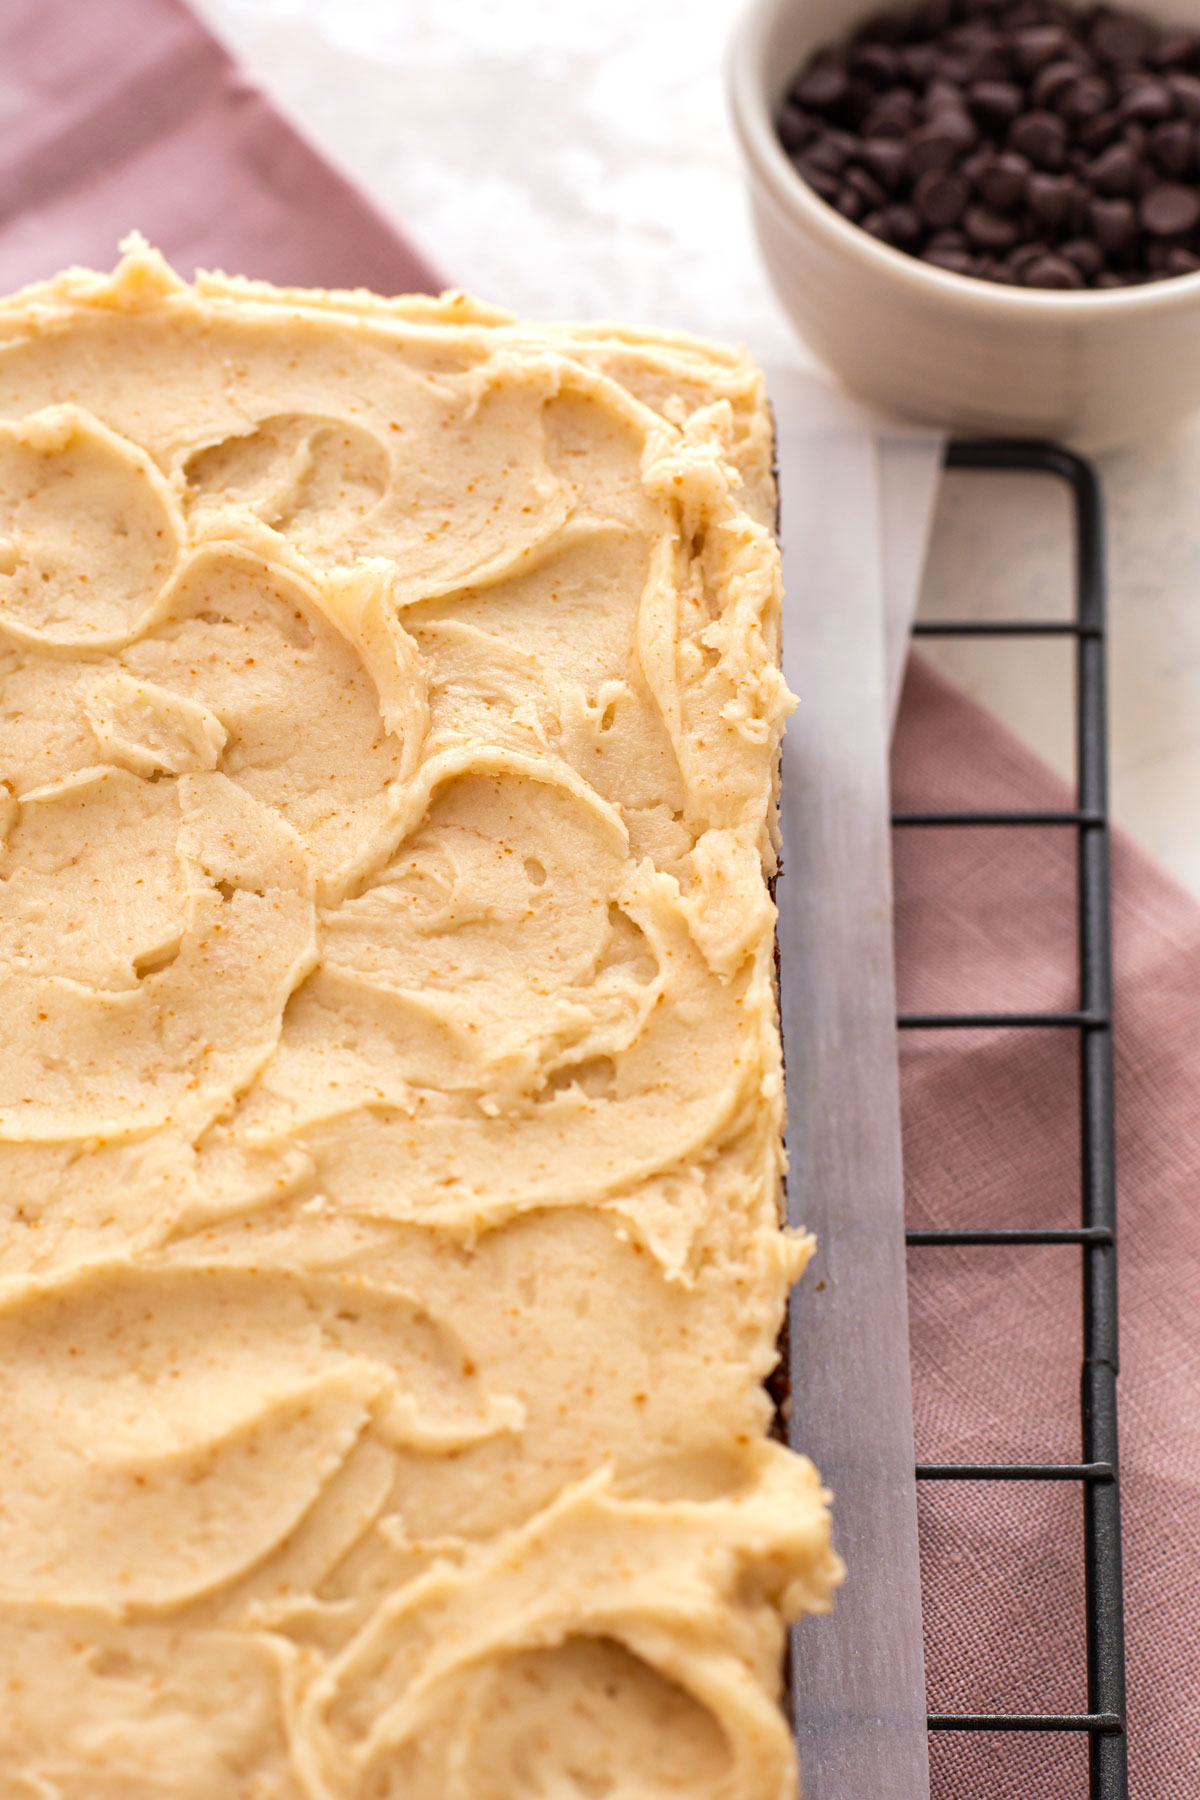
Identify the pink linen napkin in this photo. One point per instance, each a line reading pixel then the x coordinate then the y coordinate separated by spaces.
pixel 128 113
pixel 985 920
pixel 124 113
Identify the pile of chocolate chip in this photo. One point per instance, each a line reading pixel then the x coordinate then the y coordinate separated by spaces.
pixel 1019 141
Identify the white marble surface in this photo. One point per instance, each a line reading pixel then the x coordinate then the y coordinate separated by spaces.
pixel 576 160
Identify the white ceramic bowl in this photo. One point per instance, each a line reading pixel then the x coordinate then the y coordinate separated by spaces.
pixel 1095 368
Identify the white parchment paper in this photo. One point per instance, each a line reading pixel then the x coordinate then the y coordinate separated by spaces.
pixel 855 513
pixel 910 464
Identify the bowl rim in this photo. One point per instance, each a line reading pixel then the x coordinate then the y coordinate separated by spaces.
pixel 765 155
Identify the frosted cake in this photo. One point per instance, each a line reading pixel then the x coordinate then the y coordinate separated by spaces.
pixel 390 1088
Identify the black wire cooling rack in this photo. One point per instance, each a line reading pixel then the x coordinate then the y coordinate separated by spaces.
pixel 1096 1474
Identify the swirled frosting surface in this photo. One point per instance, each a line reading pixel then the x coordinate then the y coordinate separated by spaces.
pixel 390 1089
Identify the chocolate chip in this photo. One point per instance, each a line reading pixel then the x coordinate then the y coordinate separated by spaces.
pixel 1114 170
pixel 918 62
pixel 1038 45
pixel 823 84
pixel 994 102
pixel 990 230
pixel 974 33
pixel 1084 99
pixel 822 181
pixel 956 262
pixel 1042 137
pixel 1116 37
pixel 1054 80
pixel 958 69
pixel 1185 91
pixel 990 62
pixel 1175 48
pixel 943 96
pixel 941 196
pixel 828 153
pixel 876 63
pixel 947 239
pixel 1150 102
pixel 872 192
pixel 1110 279
pixel 884 157
pixel 1003 185
pixel 1127 76
pixel 892 116
pixel 1085 255
pixel 903 225
pixel 1182 262
pixel 849 203
pixel 940 143
pixel 848 140
pixel 1025 254
pixel 1098 132
pixel 1171 146
pixel 1115 224
pixel 795 128
pixel 1052 272
pixel 976 165
pixel 1169 209
pixel 1049 197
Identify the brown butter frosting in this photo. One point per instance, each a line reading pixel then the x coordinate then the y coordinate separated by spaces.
pixel 390 1087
